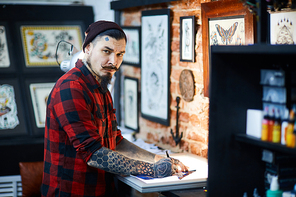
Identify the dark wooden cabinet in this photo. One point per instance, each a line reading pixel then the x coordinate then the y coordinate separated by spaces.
pixel 235 164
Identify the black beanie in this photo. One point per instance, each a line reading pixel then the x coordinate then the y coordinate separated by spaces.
pixel 96 28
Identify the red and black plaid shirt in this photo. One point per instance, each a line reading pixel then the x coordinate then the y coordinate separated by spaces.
pixel 80 119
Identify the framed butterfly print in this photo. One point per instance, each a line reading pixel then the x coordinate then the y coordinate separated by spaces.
pixel 224 23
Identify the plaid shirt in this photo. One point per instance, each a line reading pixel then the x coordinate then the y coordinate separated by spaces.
pixel 80 119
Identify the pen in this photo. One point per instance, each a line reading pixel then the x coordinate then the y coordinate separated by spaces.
pixel 167 154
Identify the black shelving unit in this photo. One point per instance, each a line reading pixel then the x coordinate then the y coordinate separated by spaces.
pixel 235 164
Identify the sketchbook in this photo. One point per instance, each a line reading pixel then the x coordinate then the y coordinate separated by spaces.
pixel 196 179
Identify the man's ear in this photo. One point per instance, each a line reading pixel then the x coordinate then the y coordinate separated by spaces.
pixel 88 48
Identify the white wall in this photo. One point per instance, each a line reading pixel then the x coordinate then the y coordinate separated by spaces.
pixel 102 9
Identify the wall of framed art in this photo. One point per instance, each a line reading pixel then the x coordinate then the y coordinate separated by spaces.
pixel 28 71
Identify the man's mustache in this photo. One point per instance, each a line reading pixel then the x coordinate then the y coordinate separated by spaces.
pixel 110 67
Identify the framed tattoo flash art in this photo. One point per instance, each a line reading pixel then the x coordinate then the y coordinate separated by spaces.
pixel 131 112
pixel 40 42
pixel 187 38
pixel 283 28
pixel 132 54
pixel 224 23
pixel 4 53
pixel 155 70
pixel 12 120
pixel 37 91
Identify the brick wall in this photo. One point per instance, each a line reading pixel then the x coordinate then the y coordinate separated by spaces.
pixel 193 116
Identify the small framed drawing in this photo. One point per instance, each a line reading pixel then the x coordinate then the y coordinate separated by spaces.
pixel 38 91
pixel 40 42
pixel 12 119
pixel 224 23
pixel 4 53
pixel 282 27
pixel 155 69
pixel 132 54
pixel 7 62
pixel 131 112
pixel 187 38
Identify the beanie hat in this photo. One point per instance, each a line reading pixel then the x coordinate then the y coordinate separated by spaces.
pixel 96 28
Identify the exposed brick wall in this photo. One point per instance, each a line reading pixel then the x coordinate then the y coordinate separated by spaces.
pixel 194 115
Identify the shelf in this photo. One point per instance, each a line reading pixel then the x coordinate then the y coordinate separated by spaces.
pixel 124 4
pixel 256 49
pixel 265 145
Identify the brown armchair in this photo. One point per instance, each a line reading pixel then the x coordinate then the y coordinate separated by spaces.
pixel 31 174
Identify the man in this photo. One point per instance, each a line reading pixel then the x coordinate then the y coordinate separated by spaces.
pixel 83 147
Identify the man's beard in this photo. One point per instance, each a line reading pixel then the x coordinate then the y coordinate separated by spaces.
pixel 105 79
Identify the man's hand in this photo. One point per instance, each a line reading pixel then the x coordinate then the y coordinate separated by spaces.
pixel 163 168
pixel 179 165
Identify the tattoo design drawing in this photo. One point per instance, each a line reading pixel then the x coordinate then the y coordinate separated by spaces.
pixel 285 31
pixel 227 31
pixel 8 108
pixel 155 66
pixel 283 28
pixel 4 56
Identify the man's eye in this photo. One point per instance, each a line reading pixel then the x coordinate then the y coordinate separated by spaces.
pixel 106 51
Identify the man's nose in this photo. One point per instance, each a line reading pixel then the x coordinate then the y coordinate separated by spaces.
pixel 113 60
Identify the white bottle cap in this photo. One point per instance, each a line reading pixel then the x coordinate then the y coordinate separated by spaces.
pixel 274 185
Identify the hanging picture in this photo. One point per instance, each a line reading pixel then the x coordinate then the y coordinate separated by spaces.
pixel 155 69
pixel 131 113
pixel 224 23
pixel 133 46
pixel 283 28
pixel 12 121
pixel 4 53
pixel 39 96
pixel 40 42
pixel 227 31
pixel 187 38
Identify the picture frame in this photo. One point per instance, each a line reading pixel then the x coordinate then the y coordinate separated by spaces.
pixel 155 66
pixel 12 117
pixel 40 41
pixel 37 91
pixel 132 54
pixel 131 111
pixel 7 63
pixel 223 11
pixel 187 38
pixel 282 27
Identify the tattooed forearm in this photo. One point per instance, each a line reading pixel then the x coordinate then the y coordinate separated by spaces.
pixel 117 163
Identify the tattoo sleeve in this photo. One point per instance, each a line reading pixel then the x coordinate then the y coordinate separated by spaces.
pixel 117 163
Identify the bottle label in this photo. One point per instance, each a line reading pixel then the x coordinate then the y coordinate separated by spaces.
pixel 264 132
pixel 276 134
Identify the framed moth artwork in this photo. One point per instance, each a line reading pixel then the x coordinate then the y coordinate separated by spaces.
pixel 224 23
pixel 40 43
pixel 155 69
pixel 37 91
pixel 12 119
pixel 132 54
pixel 283 27
pixel 187 38
pixel 131 112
